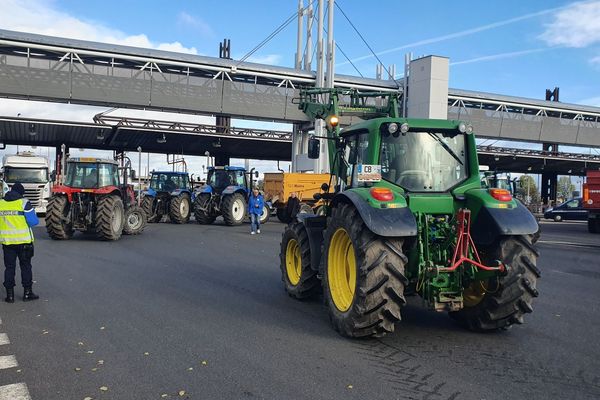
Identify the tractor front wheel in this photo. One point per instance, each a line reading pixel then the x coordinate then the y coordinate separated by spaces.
pixel 57 224
pixel 109 218
pixel 299 279
pixel 180 209
pixel 501 302
pixel 363 277
pixel 202 210
pixel 233 207
pixel 135 221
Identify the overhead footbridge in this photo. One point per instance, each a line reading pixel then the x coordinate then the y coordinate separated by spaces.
pixel 38 67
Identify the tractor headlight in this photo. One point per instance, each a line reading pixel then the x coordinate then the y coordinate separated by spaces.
pixel 393 128
pixel 462 127
pixel 404 127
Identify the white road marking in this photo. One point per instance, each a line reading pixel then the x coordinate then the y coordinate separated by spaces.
pixel 8 362
pixel 4 339
pixel 15 391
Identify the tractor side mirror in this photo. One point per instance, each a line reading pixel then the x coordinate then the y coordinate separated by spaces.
pixel 314 148
pixel 256 174
pixel 325 187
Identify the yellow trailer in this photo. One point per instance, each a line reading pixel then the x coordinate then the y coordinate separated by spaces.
pixel 278 186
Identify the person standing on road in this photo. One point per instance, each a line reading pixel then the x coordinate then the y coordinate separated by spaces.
pixel 17 216
pixel 292 208
pixel 255 209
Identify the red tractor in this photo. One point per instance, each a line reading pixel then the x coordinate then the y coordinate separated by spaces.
pixel 90 198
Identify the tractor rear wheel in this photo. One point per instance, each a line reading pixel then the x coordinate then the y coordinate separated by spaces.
pixel 233 207
pixel 266 214
pixel 501 302
pixel 148 207
pixel 109 218
pixel 282 215
pixel 57 225
pixel 135 221
pixel 299 279
pixel 363 276
pixel 202 210
pixel 180 209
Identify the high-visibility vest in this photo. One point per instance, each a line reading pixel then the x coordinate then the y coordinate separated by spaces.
pixel 13 226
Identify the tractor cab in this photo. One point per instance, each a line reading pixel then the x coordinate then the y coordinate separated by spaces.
pixel 91 173
pixel 219 178
pixel 169 181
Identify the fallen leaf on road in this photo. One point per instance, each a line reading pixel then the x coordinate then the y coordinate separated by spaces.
pixel 18 371
pixel 103 388
pixel 182 393
pixel 90 351
pixel 164 395
pixel 94 369
pixel 204 362
pixel 101 362
pixel 102 328
pixel 190 369
pixel 146 353
pixel 350 386
pixel 44 332
pixel 77 369
pixel 88 398
pixel 80 343
pixel 39 315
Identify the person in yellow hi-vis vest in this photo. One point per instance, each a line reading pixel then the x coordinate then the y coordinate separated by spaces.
pixel 17 216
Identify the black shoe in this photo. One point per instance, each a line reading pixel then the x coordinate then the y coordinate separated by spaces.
pixel 10 295
pixel 28 295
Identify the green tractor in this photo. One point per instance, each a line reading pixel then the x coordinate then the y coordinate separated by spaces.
pixel 406 215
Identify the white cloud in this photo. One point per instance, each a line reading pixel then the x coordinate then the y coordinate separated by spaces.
pixel 196 23
pixel 576 26
pixel 499 56
pixel 36 16
pixel 595 60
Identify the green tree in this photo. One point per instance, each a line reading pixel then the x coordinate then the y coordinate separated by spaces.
pixel 565 188
pixel 528 190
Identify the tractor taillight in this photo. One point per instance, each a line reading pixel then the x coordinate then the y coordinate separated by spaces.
pixel 501 194
pixel 382 194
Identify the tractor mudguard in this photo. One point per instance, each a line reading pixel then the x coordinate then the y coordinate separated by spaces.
pixel 315 226
pixel 233 189
pixel 494 222
pixel 150 192
pixel 206 189
pixel 386 222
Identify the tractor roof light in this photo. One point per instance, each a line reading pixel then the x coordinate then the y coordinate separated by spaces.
pixel 500 194
pixel 382 194
pixel 393 128
pixel 464 128
pixel 404 128
pixel 333 121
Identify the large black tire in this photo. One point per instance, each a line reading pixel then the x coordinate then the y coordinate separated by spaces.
pixel 201 210
pixel 233 207
pixel 283 216
pixel 507 299
pixel 147 206
pixel 110 218
pixel 379 272
pixel 180 209
pixel 593 225
pixel 266 214
pixel 299 279
pixel 135 221
pixel 56 224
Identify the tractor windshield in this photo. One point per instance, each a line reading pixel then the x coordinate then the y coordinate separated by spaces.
pixel 220 178
pixel 165 182
pixel 91 175
pixel 424 161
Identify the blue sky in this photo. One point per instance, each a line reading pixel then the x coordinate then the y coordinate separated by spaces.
pixel 509 47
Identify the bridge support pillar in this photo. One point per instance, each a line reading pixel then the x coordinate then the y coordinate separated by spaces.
pixel 549 186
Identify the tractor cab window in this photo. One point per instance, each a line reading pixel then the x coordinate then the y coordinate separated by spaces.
pixel 165 182
pixel 356 153
pixel 91 175
pixel 423 161
pixel 239 178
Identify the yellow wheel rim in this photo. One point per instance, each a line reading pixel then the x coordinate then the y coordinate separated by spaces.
pixel 293 261
pixel 474 293
pixel 341 270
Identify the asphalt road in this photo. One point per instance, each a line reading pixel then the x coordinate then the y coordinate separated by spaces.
pixel 201 309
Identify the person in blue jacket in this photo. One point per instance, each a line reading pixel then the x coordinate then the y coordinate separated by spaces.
pixel 255 209
pixel 17 216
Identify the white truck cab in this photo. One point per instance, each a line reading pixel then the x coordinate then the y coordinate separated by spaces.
pixel 33 171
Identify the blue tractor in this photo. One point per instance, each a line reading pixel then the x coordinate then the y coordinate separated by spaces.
pixel 226 193
pixel 169 193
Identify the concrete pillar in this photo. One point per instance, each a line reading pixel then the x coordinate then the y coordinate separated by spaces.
pixel 428 88
pixel 549 187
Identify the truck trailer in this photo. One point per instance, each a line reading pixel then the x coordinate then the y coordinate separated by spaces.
pixel 591 200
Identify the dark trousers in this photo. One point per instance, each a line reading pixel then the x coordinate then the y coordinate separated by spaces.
pixel 24 252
